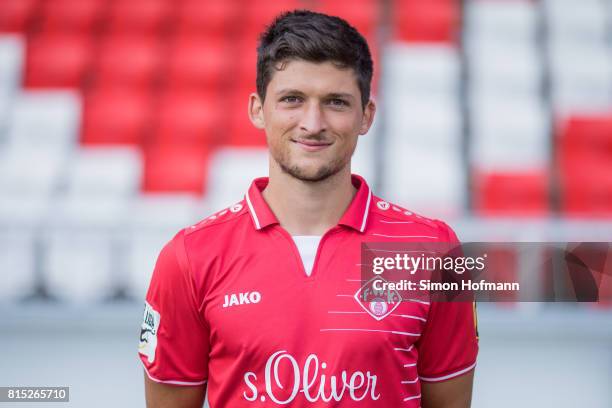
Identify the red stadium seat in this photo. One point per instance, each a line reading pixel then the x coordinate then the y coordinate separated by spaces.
pixel 175 168
pixel 260 14
pixel 140 16
pixel 71 15
pixel 57 60
pixel 241 130
pixel 116 115
pixel 188 117
pixel 129 60
pixel 16 15
pixel 426 21
pixel 364 15
pixel 210 17
pixel 516 194
pixel 585 165
pixel 197 62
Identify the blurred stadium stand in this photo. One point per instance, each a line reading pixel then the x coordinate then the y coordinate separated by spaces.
pixel 122 121
pixel 504 105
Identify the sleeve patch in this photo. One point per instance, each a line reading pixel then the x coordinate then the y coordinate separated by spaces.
pixel 148 332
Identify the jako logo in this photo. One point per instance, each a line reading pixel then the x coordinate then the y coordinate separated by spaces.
pixel 243 298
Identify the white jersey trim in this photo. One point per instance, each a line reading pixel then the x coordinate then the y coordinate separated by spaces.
pixel 449 376
pixel 172 382
pixel 367 210
pixel 248 199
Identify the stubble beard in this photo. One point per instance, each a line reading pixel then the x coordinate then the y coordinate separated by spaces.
pixel 322 173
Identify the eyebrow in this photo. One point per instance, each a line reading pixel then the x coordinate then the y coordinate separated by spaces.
pixel 331 95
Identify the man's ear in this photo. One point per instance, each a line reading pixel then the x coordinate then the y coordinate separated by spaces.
pixel 256 111
pixel 368 117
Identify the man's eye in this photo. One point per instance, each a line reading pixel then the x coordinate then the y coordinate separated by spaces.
pixel 291 99
pixel 338 102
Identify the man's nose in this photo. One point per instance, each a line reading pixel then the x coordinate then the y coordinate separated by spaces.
pixel 313 119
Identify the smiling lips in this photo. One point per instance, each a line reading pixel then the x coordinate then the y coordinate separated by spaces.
pixel 312 145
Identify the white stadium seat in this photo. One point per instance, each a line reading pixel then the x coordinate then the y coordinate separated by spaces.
pixel 583 24
pixel 501 21
pixel 81 263
pixel 17 264
pixel 45 119
pixel 505 72
pixel 153 221
pixel 231 172
pixel 30 172
pixel 364 159
pixel 415 70
pixel 105 171
pixel 11 66
pixel 581 78
pixel 427 122
pixel 431 182
pixel 509 135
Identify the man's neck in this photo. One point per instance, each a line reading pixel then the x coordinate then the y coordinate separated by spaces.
pixel 308 208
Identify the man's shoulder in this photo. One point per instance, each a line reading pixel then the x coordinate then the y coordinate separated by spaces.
pixel 388 216
pixel 222 220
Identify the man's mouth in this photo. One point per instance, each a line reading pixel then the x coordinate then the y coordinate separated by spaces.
pixel 312 145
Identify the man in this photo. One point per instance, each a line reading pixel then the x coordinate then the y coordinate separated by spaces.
pixel 258 301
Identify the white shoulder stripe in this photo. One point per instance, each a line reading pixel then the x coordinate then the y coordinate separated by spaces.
pixel 248 199
pixel 447 377
pixel 173 382
pixel 367 210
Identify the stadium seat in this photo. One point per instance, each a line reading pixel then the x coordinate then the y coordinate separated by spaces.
pixel 258 15
pixel 586 189
pixel 11 63
pixel 57 60
pixel 505 72
pixel 230 173
pixel 129 60
pixel 16 15
pixel 581 79
pixel 29 173
pixel 138 16
pixel 426 123
pixel 426 21
pixel 116 115
pixel 364 160
pixel 364 15
pixel 153 220
pixel 91 175
pixel 17 263
pixel 511 194
pixel 427 181
pixel 175 168
pixel 71 15
pixel 587 136
pixel 197 62
pixel 585 164
pixel 212 17
pixel 11 66
pixel 241 131
pixel 567 23
pixel 509 135
pixel 424 69
pixel 188 117
pixel 78 264
pixel 501 22
pixel 47 120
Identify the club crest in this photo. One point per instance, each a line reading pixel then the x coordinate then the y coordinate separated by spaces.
pixel 377 303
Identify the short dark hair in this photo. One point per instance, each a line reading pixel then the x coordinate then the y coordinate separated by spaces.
pixel 314 37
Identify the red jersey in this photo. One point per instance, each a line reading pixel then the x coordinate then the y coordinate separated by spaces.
pixel 230 304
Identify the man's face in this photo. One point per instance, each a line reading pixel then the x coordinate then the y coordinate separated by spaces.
pixel 312 116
